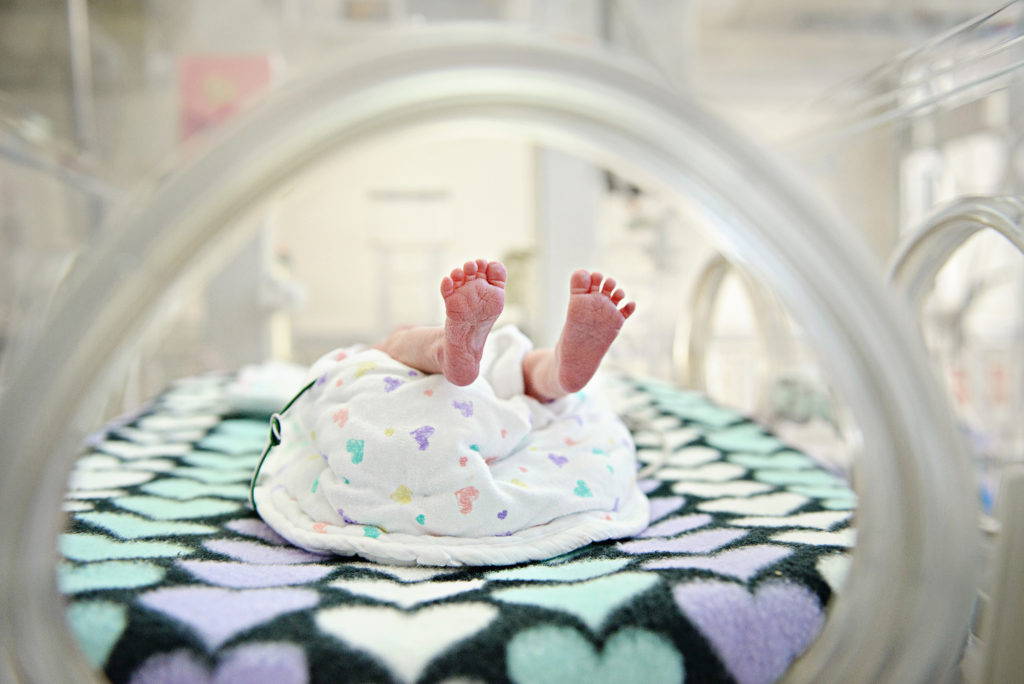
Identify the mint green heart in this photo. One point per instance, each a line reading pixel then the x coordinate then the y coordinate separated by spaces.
pixel 92 547
pixel 797 477
pixel 206 459
pixel 782 459
pixel 712 416
pixel 552 654
pixel 160 508
pixel 421 519
pixel 176 488
pixel 97 626
pixel 746 437
pixel 567 572
pixel 128 526
pixel 591 601
pixel 821 492
pixel 117 574
pixel 243 427
pixel 213 475
pixel 233 444
pixel 582 489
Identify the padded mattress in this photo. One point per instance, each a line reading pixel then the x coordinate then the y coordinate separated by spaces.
pixel 170 577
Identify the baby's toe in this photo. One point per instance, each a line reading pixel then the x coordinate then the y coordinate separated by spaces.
pixel 579 282
pixel 496 274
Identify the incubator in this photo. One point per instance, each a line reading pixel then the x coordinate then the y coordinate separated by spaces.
pixel 315 217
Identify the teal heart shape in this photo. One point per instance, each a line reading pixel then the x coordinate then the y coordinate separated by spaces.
pixel 243 427
pixel 552 654
pixel 93 547
pixel 591 601
pixel 107 575
pixel 159 508
pixel 783 459
pixel 582 489
pixel 213 475
pixel 177 488
pixel 234 444
pixel 206 459
pixel 822 492
pixel 97 626
pixel 747 437
pixel 128 526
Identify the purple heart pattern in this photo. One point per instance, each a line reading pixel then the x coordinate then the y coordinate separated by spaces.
pixel 166 570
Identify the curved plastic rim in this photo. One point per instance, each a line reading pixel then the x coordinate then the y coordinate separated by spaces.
pixel 694 330
pixel 920 258
pixel 903 613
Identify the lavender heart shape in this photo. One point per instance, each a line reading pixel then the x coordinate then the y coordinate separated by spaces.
pixel 391 384
pixel 755 635
pixel 281 663
pixel 217 615
pixel 464 407
pixel 558 459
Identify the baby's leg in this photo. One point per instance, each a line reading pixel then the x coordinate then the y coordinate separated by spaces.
pixel 474 296
pixel 591 326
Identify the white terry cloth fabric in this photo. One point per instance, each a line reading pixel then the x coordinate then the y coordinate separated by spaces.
pixel 379 460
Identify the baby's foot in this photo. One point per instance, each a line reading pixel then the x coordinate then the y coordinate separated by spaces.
pixel 474 296
pixel 591 326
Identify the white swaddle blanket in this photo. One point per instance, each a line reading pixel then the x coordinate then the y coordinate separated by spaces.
pixel 379 460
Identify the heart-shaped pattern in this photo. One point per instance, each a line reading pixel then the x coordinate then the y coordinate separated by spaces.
pixel 845 537
pixel 233 444
pixel 406 595
pixel 254 552
pixel 130 450
pixel 696 542
pixel 386 633
pixel 213 475
pixel 281 663
pixel 181 489
pixel 217 615
pixel 106 479
pixel 566 572
pixel 782 459
pixel 402 495
pixel 746 437
pixel 552 654
pixel 591 601
pixel 676 525
pixel 798 477
pixel 821 520
pixel 254 527
pixel 714 490
pixel 206 459
pixel 663 505
pixel 781 617
pixel 712 472
pixel 251 576
pixel 834 567
pixel 781 503
pixel 159 508
pixel 107 575
pixel 742 563
pixel 93 547
pixel 692 457
pixel 105 462
pixel 97 625
pixel 402 573
pixel 128 526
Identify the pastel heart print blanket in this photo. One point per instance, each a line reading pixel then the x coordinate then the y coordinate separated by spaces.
pixel 376 459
